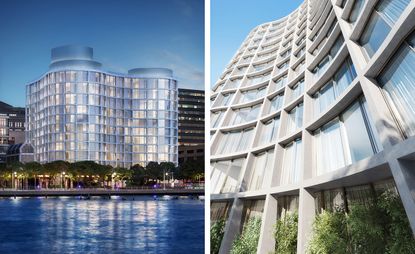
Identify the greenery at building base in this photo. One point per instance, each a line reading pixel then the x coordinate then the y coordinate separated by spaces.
pixel 58 174
pixel 381 227
pixel 217 230
pixel 286 233
pixel 247 241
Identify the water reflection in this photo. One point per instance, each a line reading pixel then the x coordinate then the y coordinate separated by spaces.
pixel 101 225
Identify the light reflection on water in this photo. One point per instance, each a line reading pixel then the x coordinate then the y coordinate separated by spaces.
pixel 99 225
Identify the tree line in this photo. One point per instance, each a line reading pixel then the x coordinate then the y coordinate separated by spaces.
pixel 89 174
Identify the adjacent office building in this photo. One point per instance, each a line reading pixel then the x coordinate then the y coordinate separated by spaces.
pixel 191 124
pixel 11 127
pixel 78 111
pixel 315 110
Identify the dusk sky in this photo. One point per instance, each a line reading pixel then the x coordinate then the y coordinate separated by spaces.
pixel 124 34
pixel 232 20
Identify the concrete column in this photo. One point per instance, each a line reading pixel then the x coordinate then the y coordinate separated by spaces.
pixel 404 176
pixel 232 226
pixel 269 217
pixel 306 214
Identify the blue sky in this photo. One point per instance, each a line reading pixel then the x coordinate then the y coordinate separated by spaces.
pixel 232 20
pixel 125 34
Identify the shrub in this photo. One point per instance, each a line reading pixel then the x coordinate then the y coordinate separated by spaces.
pixel 399 237
pixel 382 227
pixel 247 242
pixel 365 229
pixel 216 235
pixel 286 234
pixel 330 233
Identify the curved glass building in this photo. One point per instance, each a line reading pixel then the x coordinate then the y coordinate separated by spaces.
pixel 77 111
pixel 315 111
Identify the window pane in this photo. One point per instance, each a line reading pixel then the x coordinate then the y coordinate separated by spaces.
pixel 276 103
pixel 292 163
pixel 329 148
pixel 216 118
pixel 269 131
pixel 398 82
pixel 232 179
pixel 325 97
pixel 219 175
pixel 344 76
pixel 357 135
pixel 357 7
pixel 374 34
pixel 392 9
pixel 261 165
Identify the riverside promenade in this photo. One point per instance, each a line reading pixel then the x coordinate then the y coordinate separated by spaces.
pixel 100 192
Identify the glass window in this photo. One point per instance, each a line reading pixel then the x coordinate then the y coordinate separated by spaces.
pixel 258 78
pixel 292 163
pixel 357 8
pixel 297 89
pixel 357 134
pixel 253 94
pixel 295 118
pixel 335 87
pixel 262 66
pixel 391 10
pixel 261 166
pixel 276 103
pixel 218 175
pixel 226 99
pixel 234 141
pixel 324 63
pixel 384 16
pixel 344 76
pixel 246 114
pixel 375 33
pixel 398 83
pixel 324 97
pixel 233 83
pixel 322 66
pixel 232 178
pixel 346 139
pixel 269 131
pixel 329 147
pixel 216 117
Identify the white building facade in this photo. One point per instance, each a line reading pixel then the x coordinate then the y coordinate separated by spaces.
pixel 315 109
pixel 76 111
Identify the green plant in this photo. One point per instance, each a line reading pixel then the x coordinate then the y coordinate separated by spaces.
pixel 381 227
pixel 399 238
pixel 365 229
pixel 217 231
pixel 247 242
pixel 286 234
pixel 330 233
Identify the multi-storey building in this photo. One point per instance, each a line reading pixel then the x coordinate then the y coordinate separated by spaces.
pixel 191 124
pixel 78 111
pixel 316 109
pixel 4 137
pixel 15 122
